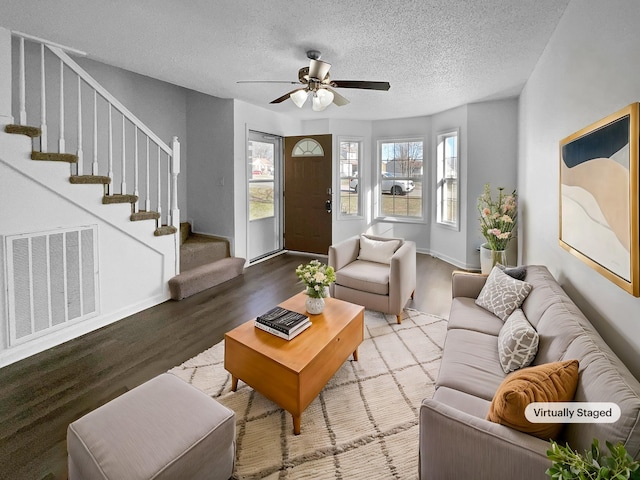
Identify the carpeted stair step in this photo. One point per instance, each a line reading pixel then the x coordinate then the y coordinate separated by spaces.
pixel 165 230
pixel 32 132
pixel 109 199
pixel 185 231
pixel 89 180
pixel 54 157
pixel 200 249
pixel 144 215
pixel 197 279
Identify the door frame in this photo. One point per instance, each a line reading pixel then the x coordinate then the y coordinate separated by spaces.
pixel 330 192
pixel 277 194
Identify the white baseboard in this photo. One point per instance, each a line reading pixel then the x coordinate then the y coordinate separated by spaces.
pixel 37 345
pixel 453 261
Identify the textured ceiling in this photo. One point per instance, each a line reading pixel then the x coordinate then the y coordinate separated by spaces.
pixel 437 54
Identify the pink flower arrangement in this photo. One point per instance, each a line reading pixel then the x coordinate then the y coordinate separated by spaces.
pixel 498 218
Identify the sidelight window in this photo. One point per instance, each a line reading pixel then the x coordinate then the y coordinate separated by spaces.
pixel 350 178
pixel 447 185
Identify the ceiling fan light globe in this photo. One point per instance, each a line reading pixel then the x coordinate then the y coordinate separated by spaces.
pixel 316 104
pixel 325 97
pixel 299 97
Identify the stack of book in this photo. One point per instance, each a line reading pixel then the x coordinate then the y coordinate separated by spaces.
pixel 282 322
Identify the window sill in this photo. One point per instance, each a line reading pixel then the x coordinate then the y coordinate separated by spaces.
pixel 449 226
pixel 416 220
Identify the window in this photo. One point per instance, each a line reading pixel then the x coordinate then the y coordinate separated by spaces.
pixel 447 179
pixel 350 155
pixel 400 180
pixel 307 147
pixel 261 180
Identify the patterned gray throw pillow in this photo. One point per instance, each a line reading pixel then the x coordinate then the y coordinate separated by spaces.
pixel 517 342
pixel 502 294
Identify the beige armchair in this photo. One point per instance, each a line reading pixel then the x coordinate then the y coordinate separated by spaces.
pixel 380 274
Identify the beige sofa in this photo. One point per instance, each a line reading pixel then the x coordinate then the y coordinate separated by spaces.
pixel 383 287
pixel 456 440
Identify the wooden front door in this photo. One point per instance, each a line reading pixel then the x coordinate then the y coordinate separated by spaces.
pixel 307 189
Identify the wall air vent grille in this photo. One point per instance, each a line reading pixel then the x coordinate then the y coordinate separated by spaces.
pixel 52 280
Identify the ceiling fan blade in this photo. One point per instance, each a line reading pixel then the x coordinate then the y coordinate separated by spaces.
pixel 360 84
pixel 268 81
pixel 285 96
pixel 338 99
pixel 318 69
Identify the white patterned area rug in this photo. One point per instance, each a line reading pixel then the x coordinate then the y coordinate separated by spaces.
pixel 362 425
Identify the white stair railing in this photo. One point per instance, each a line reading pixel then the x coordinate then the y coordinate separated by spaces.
pixel 164 193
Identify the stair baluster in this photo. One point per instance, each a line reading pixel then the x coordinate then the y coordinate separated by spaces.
pixel 22 86
pixel 61 142
pixel 166 201
pixel 79 152
pixel 136 192
pixel 175 170
pixel 43 103
pixel 123 183
pixel 94 166
pixel 159 210
pixel 147 202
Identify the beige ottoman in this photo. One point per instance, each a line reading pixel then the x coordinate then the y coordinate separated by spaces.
pixel 163 429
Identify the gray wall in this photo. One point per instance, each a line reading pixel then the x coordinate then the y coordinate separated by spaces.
pixel 210 191
pixel 487 150
pixel 160 105
pixel 492 144
pixel 446 243
pixel 589 69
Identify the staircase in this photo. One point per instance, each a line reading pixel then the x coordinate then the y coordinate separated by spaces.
pixel 204 263
pixel 136 216
pixel 75 259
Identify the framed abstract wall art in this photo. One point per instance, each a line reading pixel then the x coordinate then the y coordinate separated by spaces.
pixel 599 197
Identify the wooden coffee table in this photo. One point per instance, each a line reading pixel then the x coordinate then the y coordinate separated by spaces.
pixel 292 373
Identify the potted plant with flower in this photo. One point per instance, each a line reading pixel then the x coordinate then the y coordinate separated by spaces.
pixel 498 219
pixel 569 464
pixel 316 277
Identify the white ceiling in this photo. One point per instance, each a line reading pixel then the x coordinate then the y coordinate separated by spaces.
pixel 437 54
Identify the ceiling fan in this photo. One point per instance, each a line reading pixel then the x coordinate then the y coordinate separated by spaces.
pixel 318 85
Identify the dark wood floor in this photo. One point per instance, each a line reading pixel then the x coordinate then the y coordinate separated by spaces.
pixel 42 394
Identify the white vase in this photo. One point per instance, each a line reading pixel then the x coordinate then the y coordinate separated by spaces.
pixel 314 305
pixel 488 258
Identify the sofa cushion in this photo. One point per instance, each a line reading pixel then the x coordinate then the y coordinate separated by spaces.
pixel 478 407
pixel 552 382
pixel 502 294
pixel 603 378
pixel 470 363
pixel 557 329
pixel 375 250
pixel 517 342
pixel 465 314
pixel 545 292
pixel 365 276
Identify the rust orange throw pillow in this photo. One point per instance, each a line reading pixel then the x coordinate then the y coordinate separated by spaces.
pixel 551 382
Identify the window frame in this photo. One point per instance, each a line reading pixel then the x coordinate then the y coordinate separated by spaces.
pixel 440 203
pixel 379 215
pixel 359 177
pixel 274 180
